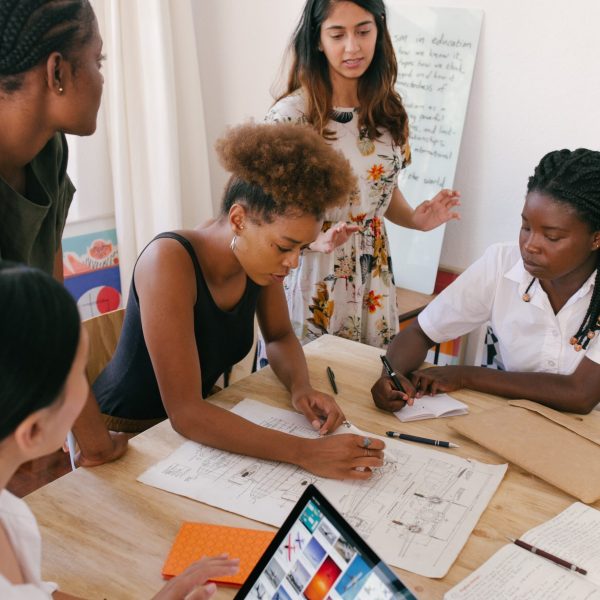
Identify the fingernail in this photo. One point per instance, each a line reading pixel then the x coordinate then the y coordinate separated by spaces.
pixel 210 587
pixel 316 424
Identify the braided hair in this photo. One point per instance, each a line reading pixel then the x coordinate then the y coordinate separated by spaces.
pixel 30 30
pixel 573 177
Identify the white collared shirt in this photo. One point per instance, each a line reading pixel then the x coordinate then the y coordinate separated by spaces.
pixel 531 338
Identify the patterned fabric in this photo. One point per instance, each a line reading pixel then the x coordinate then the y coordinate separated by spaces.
pixel 490 357
pixel 350 292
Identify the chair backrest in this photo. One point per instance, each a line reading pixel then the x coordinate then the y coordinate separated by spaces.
pixel 104 332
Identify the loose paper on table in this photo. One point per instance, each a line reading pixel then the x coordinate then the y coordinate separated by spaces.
pixel 437 498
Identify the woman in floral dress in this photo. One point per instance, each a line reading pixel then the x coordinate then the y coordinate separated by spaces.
pixel 342 83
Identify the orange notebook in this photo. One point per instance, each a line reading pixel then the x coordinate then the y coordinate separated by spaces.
pixel 196 540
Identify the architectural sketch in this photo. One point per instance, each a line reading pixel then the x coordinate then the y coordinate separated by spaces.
pixel 417 511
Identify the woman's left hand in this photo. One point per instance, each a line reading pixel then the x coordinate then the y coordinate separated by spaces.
pixel 320 409
pixel 436 380
pixel 433 213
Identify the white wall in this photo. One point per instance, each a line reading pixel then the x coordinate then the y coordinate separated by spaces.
pixel 536 88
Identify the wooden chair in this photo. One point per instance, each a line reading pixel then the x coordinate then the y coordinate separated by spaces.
pixel 103 332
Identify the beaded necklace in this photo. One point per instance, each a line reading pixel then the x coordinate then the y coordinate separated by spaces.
pixel 580 341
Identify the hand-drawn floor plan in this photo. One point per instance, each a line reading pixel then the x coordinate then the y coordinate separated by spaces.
pixel 417 511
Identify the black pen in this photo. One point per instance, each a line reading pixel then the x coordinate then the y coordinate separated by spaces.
pixel 421 440
pixel 332 380
pixel 390 372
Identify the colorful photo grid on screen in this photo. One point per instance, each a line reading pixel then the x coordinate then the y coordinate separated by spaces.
pixel 316 560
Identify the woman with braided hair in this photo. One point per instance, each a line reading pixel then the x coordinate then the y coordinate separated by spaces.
pixel 50 84
pixel 195 294
pixel 542 298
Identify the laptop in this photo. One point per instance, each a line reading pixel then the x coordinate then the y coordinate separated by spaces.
pixel 317 555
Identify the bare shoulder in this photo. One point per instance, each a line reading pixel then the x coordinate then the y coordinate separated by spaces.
pixel 166 264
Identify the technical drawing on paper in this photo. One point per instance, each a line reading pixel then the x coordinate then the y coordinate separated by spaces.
pixel 417 511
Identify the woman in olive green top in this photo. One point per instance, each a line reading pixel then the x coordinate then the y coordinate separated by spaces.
pixel 50 84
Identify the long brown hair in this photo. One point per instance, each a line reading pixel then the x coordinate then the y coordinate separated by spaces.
pixel 380 104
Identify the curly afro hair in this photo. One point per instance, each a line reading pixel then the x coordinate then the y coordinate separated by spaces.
pixel 283 168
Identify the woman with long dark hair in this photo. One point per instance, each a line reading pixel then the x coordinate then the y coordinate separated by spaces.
pixel 43 387
pixel 342 83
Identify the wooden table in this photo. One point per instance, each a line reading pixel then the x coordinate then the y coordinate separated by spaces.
pixel 106 536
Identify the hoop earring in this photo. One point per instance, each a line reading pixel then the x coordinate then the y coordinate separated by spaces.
pixel 233 242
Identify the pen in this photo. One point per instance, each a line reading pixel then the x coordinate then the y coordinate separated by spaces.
pixel 390 372
pixel 550 557
pixel 332 380
pixel 422 440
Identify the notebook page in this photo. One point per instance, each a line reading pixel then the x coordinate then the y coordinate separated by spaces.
pixel 520 575
pixel 574 535
pixel 431 407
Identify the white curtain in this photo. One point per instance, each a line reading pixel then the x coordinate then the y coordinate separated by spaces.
pixel 154 120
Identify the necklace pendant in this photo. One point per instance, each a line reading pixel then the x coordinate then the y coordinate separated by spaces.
pixel 526 297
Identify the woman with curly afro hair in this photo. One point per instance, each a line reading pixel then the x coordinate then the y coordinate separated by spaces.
pixel 195 294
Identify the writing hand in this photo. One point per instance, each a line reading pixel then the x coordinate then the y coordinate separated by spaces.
pixel 387 397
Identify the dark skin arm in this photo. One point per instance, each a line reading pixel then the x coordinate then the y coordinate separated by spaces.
pixel 165 282
pixel 97 445
pixel 287 361
pixel 578 392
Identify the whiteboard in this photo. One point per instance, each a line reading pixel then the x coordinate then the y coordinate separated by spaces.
pixel 436 50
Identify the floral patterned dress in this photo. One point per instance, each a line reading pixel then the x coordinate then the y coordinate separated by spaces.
pixel 350 292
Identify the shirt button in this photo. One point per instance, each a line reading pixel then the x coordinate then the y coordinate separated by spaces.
pixel 551 363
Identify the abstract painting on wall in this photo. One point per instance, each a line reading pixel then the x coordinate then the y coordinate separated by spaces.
pixel 91 272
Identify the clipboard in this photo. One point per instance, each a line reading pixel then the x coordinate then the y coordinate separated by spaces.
pixel 560 448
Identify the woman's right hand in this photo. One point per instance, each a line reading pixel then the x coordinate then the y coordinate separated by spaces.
pixel 339 456
pixel 191 584
pixel 387 397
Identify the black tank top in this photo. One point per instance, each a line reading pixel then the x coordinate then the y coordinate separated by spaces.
pixel 127 387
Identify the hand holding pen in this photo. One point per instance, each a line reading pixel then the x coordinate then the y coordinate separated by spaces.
pixel 392 391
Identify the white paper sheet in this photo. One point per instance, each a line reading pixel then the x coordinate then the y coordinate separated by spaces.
pixel 432 407
pixel 515 573
pixel 438 498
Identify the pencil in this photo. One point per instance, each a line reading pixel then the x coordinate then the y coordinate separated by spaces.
pixel 551 557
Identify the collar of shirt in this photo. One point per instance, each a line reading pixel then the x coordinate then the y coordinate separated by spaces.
pixel 519 275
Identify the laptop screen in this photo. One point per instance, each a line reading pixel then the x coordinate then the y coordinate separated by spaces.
pixel 317 555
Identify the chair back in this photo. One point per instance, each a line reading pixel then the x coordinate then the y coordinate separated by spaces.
pixel 103 332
